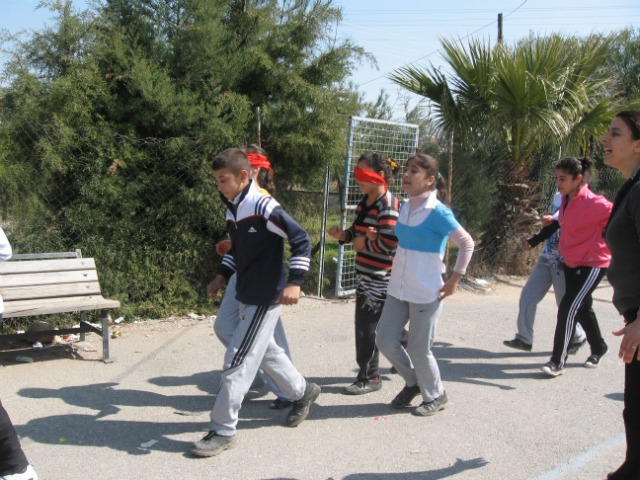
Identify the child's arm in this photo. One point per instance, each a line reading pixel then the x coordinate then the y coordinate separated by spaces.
pixel 281 223
pixel 465 243
pixel 384 240
pixel 5 247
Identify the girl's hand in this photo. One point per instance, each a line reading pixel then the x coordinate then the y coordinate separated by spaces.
pixel 372 234
pixel 336 232
pixel 450 286
pixel 359 243
pixel 630 341
pixel 547 220
pixel 223 247
pixel 527 247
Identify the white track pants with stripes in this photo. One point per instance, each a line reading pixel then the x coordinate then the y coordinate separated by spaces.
pixel 253 347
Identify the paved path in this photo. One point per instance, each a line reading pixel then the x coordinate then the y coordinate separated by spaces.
pixel 81 419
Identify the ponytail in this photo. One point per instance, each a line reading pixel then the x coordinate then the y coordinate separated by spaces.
pixel 265 180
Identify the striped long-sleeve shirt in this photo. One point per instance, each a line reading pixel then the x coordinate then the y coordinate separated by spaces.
pixel 373 263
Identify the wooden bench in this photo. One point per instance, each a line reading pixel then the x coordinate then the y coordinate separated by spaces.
pixel 47 283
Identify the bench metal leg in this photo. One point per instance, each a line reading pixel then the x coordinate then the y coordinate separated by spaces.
pixel 105 336
pixel 83 318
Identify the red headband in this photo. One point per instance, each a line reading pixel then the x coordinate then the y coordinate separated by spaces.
pixel 259 161
pixel 368 176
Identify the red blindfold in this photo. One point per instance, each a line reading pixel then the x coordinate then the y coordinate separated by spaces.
pixel 368 176
pixel 259 161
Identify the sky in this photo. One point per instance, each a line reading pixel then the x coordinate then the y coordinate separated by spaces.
pixel 408 31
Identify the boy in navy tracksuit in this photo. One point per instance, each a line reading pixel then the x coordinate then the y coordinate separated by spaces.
pixel 258 226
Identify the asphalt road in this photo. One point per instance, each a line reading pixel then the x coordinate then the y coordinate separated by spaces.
pixel 79 418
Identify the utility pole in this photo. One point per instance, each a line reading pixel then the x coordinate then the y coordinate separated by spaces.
pixel 499 29
pixel 258 127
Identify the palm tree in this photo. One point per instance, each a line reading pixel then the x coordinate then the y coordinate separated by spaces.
pixel 541 90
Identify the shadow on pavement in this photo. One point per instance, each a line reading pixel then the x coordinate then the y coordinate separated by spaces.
pixel 615 396
pixel 458 467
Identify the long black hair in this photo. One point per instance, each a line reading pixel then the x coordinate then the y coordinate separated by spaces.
pixel 265 179
pixel 575 166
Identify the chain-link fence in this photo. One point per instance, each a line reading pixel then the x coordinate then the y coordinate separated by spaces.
pixel 397 140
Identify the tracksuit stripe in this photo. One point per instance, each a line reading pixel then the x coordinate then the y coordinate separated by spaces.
pixel 571 320
pixel 248 340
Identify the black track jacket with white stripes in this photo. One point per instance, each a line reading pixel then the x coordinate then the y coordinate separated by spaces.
pixel 258 226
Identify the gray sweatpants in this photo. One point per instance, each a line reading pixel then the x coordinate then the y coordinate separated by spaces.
pixel 252 347
pixel 416 365
pixel 547 272
pixel 227 322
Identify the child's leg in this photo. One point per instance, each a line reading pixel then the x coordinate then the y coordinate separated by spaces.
pixel 228 314
pixel 559 287
pixel 395 316
pixel 244 356
pixel 533 292
pixel 422 330
pixel 367 316
pixel 12 458
pixel 280 339
pixel 580 283
pixel 586 317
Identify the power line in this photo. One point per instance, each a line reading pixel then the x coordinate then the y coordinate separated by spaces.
pixel 438 50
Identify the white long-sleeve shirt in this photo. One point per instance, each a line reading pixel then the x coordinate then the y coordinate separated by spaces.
pixel 5 254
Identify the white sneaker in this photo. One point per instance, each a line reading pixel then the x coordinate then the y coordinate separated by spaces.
pixel 28 474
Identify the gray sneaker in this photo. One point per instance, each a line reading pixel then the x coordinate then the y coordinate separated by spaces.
pixel 212 444
pixel 405 397
pixel 426 409
pixel 300 408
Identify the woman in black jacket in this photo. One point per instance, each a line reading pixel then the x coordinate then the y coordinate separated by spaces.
pixel 622 234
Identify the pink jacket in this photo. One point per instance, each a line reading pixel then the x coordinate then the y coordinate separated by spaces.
pixel 581 242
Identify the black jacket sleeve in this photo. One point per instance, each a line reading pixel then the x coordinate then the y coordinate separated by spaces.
pixel 545 234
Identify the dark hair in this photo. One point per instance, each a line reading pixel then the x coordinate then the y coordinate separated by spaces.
pixel 632 119
pixel 432 167
pixel 380 163
pixel 265 179
pixel 575 166
pixel 233 159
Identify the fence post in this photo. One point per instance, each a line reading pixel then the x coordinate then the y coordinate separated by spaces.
pixel 323 234
pixel 258 127
pixel 343 213
pixel 446 260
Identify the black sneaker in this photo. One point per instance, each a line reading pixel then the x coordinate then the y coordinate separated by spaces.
pixel 575 346
pixel 426 409
pixel 552 369
pixel 363 386
pixel 300 408
pixel 212 444
pixel 517 344
pixel 594 360
pixel 405 397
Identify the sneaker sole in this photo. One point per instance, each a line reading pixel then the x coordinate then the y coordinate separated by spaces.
pixel 417 413
pixel 205 453
pixel 298 421
pixel 551 373
pixel 591 365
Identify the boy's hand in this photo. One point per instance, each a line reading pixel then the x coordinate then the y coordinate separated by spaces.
pixel 214 287
pixel 359 243
pixel 336 232
pixel 290 295
pixel 547 220
pixel 527 247
pixel 372 234
pixel 223 247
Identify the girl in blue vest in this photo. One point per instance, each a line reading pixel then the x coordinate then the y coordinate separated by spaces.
pixel 416 288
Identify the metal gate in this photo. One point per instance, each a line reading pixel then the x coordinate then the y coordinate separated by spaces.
pixel 397 140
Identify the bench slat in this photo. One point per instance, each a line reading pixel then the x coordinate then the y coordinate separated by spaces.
pixel 24 280
pixel 43 306
pixel 49 291
pixel 43 266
